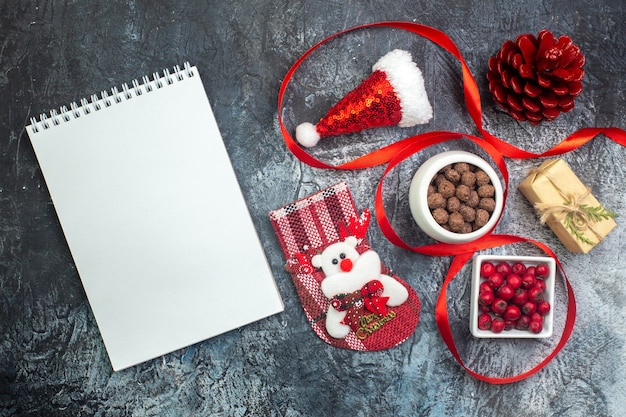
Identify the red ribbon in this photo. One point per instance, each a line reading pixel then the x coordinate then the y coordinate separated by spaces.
pixel 497 149
pixel 472 102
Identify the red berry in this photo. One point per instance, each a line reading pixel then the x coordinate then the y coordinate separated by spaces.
pixel 484 286
pixel 531 269
pixel 535 294
pixel 536 317
pixel 506 292
pixel 509 324
pixel 483 308
pixel 542 270
pixel 528 280
pixel 512 313
pixel 522 323
pixel 541 284
pixel 486 269
pixel 484 321
pixel 497 324
pixel 503 268
pixel 496 280
pixel 529 308
pixel 514 280
pixel 518 268
pixel 543 308
pixel 520 297
pixel 535 326
pixel 486 298
pixel 498 306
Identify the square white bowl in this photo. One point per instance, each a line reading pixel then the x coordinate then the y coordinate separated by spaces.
pixel 548 320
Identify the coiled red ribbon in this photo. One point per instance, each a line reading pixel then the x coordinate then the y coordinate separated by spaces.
pixel 497 149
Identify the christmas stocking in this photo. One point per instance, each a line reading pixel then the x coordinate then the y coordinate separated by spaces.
pixel 351 299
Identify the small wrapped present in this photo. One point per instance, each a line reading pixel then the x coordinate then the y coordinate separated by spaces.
pixel 567 206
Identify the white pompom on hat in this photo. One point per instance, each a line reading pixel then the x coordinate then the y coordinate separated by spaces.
pixel 393 94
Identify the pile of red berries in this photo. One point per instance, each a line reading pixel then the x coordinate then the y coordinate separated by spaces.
pixel 511 296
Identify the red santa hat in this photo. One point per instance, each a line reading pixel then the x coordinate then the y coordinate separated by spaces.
pixel 393 94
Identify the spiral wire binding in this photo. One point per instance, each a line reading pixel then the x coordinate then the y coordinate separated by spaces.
pixel 109 98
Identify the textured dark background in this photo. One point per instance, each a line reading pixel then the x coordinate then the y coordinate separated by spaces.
pixel 52 360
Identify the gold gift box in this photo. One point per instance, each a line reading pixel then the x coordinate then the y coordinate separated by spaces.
pixel 566 205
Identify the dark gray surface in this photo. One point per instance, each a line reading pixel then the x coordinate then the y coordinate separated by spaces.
pixel 52 360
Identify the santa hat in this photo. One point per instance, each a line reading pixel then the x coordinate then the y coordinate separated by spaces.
pixel 393 94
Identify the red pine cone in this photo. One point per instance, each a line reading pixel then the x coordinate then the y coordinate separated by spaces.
pixel 536 79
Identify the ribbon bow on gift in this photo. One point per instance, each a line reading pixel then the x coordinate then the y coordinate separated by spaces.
pixel 576 215
pixel 572 211
pixel 368 293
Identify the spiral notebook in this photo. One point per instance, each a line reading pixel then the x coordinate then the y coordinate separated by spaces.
pixel 154 217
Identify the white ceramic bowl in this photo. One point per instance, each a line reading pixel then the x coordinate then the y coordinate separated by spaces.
pixel 418 196
pixel 548 320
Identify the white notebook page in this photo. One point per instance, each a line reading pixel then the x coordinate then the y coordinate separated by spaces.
pixel 155 220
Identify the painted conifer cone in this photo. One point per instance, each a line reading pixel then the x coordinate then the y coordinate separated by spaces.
pixel 536 78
